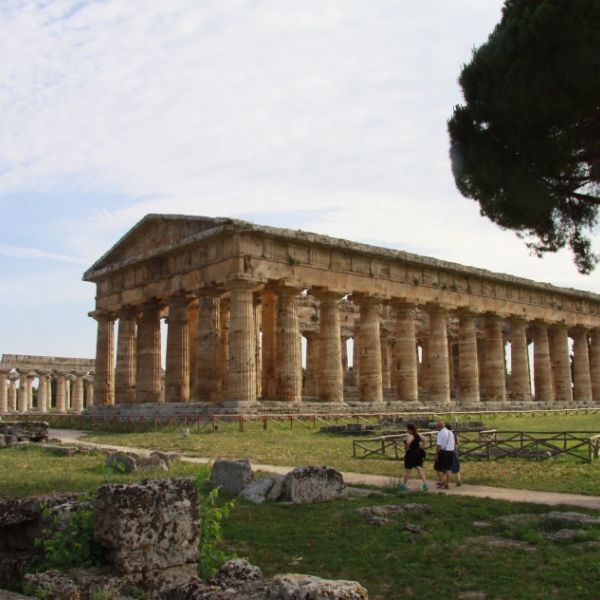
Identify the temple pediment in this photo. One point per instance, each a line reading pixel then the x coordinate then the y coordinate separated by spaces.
pixel 155 233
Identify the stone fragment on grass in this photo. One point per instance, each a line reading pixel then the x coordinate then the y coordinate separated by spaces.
pixel 566 535
pixel 258 489
pixel 231 475
pixel 564 519
pixel 22 510
pixel 277 490
pixel 519 519
pixel 149 525
pixel 6 595
pixel 498 542
pixel 482 524
pixel 129 462
pixel 307 587
pixel 309 484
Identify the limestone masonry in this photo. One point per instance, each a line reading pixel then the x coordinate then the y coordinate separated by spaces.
pixel 238 298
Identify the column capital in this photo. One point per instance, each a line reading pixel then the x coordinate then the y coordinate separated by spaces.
pixel 518 319
pixel 364 299
pixel 579 330
pixel 437 307
pixel 242 281
pixel 102 315
pixel 323 293
pixel 127 312
pixel 210 291
pixel 467 312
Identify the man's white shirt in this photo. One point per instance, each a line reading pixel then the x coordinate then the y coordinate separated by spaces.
pixel 445 439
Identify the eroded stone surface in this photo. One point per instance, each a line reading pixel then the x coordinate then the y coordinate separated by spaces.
pixel 562 519
pixel 231 475
pixel 498 542
pixel 258 490
pixel 149 525
pixel 305 485
pixel 308 587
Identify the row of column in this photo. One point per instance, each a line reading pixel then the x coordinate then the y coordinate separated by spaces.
pixel 215 353
pixel 73 391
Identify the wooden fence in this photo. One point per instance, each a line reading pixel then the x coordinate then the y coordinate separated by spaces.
pixel 493 445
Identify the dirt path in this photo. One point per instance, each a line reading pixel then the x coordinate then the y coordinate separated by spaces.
pixel 480 491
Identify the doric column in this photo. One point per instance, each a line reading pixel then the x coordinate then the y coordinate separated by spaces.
pixel 60 392
pixel 331 378
pixel 288 360
pixel 242 364
pixel 468 363
pixel 69 379
pixel 104 380
pixel 12 392
pixel 77 404
pixel 30 377
pixel 312 363
pixel 42 392
pixel 542 370
pixel 425 379
pixel 384 336
pixel 559 343
pixel 3 391
pixel 595 364
pixel 193 311
pixel 148 369
pixel 582 391
pixel 269 334
pixel 177 375
pixel 371 382
pixel 344 347
pixel 495 367
pixel 439 375
pixel 257 343
pixel 406 355
pixel 126 355
pixel 224 320
pixel 22 393
pixel 209 348
pixel 520 384
pixel 89 391
pixel 356 357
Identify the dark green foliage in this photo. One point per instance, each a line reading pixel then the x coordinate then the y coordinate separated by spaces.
pixel 210 549
pixel 526 143
pixel 68 542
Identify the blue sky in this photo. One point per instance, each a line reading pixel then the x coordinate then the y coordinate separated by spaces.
pixel 325 115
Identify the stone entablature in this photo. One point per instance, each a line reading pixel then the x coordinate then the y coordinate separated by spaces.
pixel 237 297
pixel 71 378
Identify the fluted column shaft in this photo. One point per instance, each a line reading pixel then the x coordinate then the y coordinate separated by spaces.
pixel 582 391
pixel 3 392
pixel 595 364
pixel 520 384
pixel 406 355
pixel 104 380
pixel 148 372
pixel 542 370
pixel 495 368
pixel 209 375
pixel 468 363
pixel 177 376
pixel 125 372
pixel 22 394
pixel 78 394
pixel 386 376
pixel 331 386
pixel 242 363
pixel 288 360
pixel 12 393
pixel 371 382
pixel 439 375
pixel 193 316
pixel 312 363
pixel 563 384
pixel 60 392
pixel 89 393
pixel 257 343
pixel 356 358
pixel 42 393
pixel 224 320
pixel 269 334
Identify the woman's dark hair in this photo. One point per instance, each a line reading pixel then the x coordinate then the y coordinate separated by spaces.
pixel 412 428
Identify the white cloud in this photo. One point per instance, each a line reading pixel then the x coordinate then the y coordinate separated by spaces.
pixel 37 253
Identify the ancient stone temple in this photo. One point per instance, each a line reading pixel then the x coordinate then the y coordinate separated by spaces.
pixel 239 298
pixel 63 384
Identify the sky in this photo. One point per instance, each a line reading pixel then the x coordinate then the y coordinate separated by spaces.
pixel 327 116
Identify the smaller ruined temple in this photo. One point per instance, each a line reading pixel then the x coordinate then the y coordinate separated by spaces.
pixel 64 384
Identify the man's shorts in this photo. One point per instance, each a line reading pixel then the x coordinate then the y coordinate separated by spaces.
pixel 444 461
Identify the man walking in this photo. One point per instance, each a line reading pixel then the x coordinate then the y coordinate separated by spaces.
pixel 444 455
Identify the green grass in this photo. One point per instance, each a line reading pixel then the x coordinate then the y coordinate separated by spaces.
pixel 334 541
pixel 302 445
pixel 32 470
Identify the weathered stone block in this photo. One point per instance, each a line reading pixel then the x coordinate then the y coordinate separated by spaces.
pixel 35 431
pixel 149 525
pixel 258 490
pixel 231 475
pixel 305 485
pixel 308 587
pixel 129 462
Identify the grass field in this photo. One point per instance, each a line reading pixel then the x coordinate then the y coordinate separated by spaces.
pixel 302 445
pixel 333 540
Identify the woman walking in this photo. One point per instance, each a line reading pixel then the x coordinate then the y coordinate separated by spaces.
pixel 413 458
